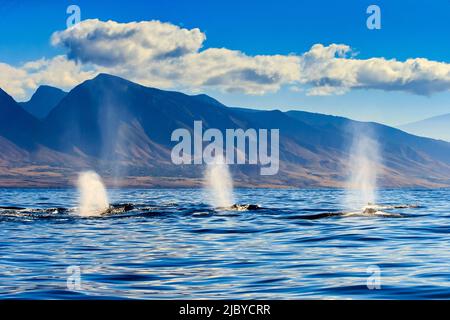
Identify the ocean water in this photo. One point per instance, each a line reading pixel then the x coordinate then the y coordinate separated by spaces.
pixel 172 245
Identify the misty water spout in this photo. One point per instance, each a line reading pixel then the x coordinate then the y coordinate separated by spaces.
pixel 364 163
pixel 93 198
pixel 219 183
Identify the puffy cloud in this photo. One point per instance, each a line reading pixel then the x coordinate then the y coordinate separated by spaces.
pixel 14 80
pixel 57 71
pixel 164 55
pixel 111 43
pixel 167 56
pixel 21 81
pixel 328 70
pixel 234 71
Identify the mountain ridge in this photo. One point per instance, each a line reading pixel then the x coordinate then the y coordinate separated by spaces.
pixel 123 129
pixel 43 101
pixel 19 132
pixel 437 127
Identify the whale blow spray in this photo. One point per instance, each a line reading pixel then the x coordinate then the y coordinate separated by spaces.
pixel 93 199
pixel 364 164
pixel 219 183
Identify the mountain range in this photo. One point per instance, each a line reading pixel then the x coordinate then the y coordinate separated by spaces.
pixel 122 130
pixel 43 101
pixel 436 127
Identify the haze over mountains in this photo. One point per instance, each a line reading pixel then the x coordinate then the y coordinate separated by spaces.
pixel 436 127
pixel 123 130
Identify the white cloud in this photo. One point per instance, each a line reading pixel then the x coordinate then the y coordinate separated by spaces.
pixel 167 56
pixel 14 80
pixel 161 54
pixel 111 43
pixel 21 81
pixel 329 71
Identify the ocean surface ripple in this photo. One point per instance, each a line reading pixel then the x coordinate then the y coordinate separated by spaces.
pixel 170 244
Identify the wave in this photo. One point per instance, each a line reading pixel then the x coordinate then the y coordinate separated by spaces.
pixel 131 209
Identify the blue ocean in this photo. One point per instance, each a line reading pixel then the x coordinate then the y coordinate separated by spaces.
pixel 170 244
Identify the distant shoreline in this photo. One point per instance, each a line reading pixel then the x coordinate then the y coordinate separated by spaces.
pixel 198 184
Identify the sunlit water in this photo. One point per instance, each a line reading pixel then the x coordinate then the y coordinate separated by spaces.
pixel 178 247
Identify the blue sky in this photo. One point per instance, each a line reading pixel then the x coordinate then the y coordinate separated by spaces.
pixel 410 29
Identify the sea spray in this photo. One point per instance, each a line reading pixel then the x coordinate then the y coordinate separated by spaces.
pixel 219 183
pixel 93 198
pixel 116 131
pixel 364 163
